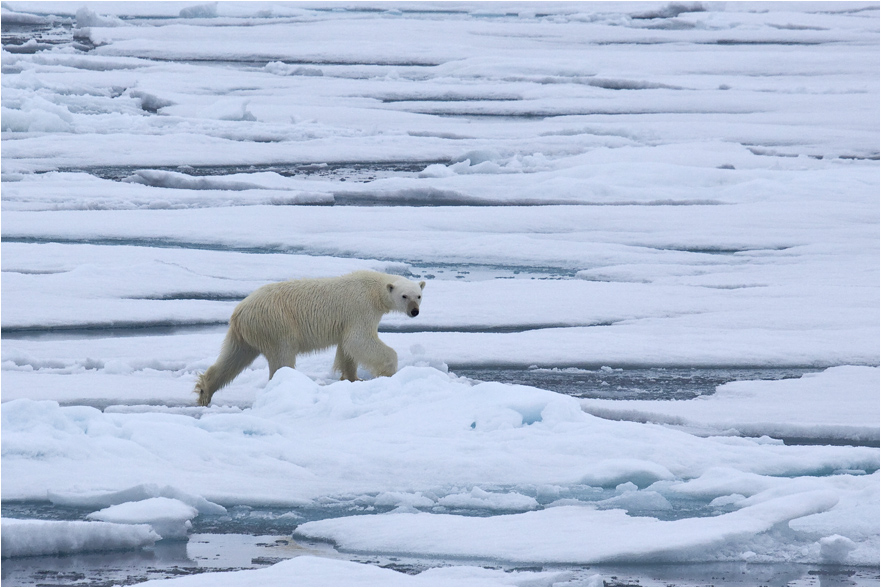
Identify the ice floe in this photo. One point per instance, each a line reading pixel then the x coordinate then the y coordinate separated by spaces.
pixel 319 571
pixel 794 409
pixel 37 537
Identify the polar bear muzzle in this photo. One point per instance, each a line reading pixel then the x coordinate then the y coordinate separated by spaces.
pixel 412 306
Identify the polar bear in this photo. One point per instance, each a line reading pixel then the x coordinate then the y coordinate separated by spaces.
pixel 285 319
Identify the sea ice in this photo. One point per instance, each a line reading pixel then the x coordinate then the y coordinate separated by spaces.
pixel 34 537
pixel 796 408
pixel 581 184
pixel 419 431
pixel 569 533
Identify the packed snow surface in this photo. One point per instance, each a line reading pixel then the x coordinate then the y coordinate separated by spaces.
pixel 626 185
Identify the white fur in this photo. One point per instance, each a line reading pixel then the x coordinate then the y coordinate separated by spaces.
pixel 285 319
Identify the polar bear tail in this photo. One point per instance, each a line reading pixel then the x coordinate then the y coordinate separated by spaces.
pixel 235 355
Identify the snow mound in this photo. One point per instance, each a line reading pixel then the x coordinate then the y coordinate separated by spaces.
pixel 30 537
pixel 170 518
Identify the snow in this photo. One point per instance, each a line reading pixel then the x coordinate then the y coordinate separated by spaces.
pixel 631 185
pixel 33 537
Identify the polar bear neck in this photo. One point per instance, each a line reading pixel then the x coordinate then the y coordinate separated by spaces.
pixel 375 289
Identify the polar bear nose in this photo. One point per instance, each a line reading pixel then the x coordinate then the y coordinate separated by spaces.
pixel 414 312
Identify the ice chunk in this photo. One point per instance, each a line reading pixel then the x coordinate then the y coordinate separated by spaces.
pixel 170 518
pixel 280 68
pixel 835 548
pixel 730 499
pixel 436 170
pixel 167 179
pixel 637 500
pixel 405 499
pixel 615 472
pixel 31 537
pixel 208 10
pixel 89 18
pixel 481 499
pixel 134 494
pixel 477 156
pixel 150 102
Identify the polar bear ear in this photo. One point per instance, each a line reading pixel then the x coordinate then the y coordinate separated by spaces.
pixel 390 287
pixel 422 285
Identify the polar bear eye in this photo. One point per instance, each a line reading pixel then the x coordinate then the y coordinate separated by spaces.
pixel 404 296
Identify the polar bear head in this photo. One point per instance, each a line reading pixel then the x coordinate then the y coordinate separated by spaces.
pixel 405 296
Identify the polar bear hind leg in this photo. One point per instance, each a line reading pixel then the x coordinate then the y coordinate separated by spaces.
pixel 282 355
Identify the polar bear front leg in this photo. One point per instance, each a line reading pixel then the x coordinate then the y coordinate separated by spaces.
pixel 235 356
pixel 366 349
pixel 344 364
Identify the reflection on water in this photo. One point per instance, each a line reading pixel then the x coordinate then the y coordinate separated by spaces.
pixel 165 559
pixel 228 552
